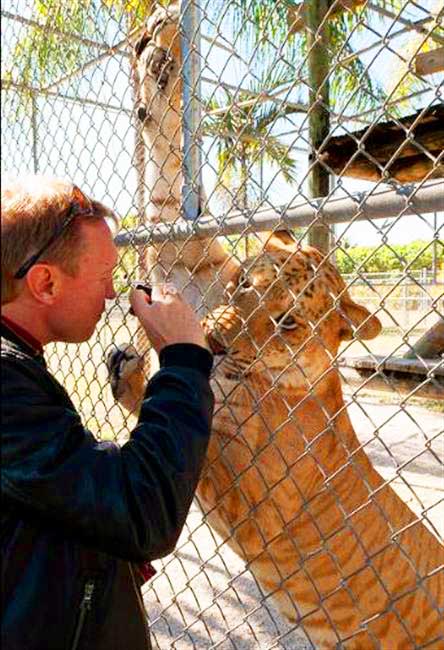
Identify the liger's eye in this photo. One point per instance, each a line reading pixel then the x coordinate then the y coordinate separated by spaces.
pixel 286 322
pixel 244 282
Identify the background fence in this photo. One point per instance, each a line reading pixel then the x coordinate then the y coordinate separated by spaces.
pixel 325 118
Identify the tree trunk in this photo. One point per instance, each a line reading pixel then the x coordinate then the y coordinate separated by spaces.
pixel 319 121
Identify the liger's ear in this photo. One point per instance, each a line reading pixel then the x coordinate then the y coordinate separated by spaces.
pixel 358 321
pixel 279 240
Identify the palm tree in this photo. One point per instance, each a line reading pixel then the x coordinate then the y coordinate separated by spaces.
pixel 326 70
pixel 261 29
pixel 45 54
pixel 62 37
pixel 242 131
pixel 267 23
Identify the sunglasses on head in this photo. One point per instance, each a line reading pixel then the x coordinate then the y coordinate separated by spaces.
pixel 80 206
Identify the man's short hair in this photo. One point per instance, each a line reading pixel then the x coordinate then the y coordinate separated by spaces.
pixel 33 209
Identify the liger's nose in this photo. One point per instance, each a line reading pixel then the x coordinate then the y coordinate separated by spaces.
pixel 216 346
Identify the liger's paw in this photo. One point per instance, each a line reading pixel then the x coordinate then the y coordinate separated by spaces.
pixel 160 65
pixel 158 46
pixel 162 17
pixel 126 375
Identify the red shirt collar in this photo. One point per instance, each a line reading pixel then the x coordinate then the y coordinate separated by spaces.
pixel 22 334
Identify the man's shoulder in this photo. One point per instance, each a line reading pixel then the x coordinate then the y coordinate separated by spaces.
pixel 24 372
pixel 18 364
pixel 10 349
pixel 15 352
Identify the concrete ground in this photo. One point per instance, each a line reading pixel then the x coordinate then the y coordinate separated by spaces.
pixel 203 596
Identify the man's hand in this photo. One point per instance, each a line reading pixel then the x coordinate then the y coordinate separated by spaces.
pixel 167 319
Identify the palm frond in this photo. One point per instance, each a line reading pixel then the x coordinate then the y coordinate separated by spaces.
pixel 44 54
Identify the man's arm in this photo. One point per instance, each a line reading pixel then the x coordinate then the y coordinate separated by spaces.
pixel 130 501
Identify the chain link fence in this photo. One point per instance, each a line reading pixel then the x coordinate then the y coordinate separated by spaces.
pixel 205 125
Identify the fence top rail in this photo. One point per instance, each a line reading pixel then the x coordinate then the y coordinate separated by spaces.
pixel 378 204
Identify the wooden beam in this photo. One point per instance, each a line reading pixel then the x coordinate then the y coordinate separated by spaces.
pixel 357 378
pixel 416 169
pixel 380 362
pixel 406 170
pixel 381 148
pixel 430 62
pixel 297 14
pixel 413 143
pixel 430 345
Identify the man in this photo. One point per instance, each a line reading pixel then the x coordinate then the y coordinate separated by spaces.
pixel 81 516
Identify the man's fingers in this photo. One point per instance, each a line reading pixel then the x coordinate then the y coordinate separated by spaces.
pixel 156 293
pixel 167 319
pixel 139 299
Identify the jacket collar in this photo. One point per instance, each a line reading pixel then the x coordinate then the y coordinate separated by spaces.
pixel 20 336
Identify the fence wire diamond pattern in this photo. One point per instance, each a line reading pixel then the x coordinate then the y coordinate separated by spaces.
pixel 228 135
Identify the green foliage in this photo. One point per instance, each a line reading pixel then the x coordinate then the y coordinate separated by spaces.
pixel 47 51
pixel 265 23
pixel 128 258
pixel 136 10
pixel 243 133
pixel 42 55
pixel 399 257
pixel 351 85
pixel 404 79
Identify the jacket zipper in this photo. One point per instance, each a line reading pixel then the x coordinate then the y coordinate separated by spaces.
pixel 85 607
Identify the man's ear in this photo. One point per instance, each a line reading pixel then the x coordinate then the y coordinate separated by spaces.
pixel 358 322
pixel 43 282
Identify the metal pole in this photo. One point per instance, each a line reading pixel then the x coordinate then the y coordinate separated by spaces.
pixel 139 163
pixel 360 207
pixel 191 162
pixel 319 119
pixel 139 147
pixel 434 249
pixel 34 128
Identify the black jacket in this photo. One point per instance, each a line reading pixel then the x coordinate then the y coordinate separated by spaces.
pixel 78 514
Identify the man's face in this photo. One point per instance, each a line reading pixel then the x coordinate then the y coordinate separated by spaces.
pixel 81 301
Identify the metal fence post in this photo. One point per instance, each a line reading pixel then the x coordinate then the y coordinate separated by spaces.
pixel 190 45
pixel 434 249
pixel 34 127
